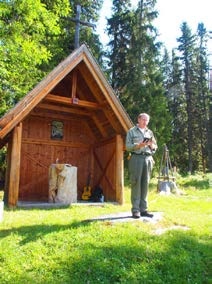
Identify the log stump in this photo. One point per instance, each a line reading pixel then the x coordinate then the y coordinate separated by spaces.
pixel 62 184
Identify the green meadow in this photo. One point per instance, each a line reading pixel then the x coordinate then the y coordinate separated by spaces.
pixel 64 245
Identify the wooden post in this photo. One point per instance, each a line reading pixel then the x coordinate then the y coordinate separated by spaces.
pixel 78 22
pixel 119 170
pixel 74 87
pixel 13 176
pixel 7 175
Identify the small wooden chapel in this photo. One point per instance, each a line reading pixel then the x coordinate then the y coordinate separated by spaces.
pixel 72 116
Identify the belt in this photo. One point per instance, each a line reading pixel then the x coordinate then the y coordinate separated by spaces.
pixel 142 154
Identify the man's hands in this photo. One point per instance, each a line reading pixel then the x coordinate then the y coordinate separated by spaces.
pixel 145 142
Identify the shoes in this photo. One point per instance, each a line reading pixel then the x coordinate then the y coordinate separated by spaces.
pixel 146 214
pixel 136 215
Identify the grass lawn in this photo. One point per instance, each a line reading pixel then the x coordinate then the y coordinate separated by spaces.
pixel 59 246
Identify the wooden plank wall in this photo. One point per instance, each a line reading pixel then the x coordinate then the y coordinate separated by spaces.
pixel 104 165
pixel 78 148
pixel 39 151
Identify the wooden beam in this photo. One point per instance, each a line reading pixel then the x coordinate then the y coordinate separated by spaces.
pixel 119 164
pixel 14 174
pixel 90 81
pixel 107 92
pixel 33 160
pixel 8 170
pixel 63 109
pixel 55 143
pixel 71 102
pixel 99 126
pixel 42 114
pixel 99 95
pixel 74 85
pixel 113 122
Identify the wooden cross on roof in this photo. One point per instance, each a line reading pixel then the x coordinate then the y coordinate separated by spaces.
pixel 78 22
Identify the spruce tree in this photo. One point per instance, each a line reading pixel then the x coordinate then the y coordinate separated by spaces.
pixel 119 29
pixel 187 50
pixel 186 85
pixel 203 93
pixel 135 58
pixel 173 85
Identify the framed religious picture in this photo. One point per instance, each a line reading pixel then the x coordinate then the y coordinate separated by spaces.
pixel 57 130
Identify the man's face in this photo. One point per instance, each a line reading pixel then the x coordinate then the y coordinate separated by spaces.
pixel 143 121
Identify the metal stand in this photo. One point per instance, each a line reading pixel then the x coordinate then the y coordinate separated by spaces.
pixel 166 175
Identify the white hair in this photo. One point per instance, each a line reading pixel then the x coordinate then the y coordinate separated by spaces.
pixel 144 114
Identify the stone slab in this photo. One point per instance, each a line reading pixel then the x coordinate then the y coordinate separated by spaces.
pixel 127 217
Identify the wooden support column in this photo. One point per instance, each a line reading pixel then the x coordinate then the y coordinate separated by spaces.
pixel 13 175
pixel 119 170
pixel 7 175
pixel 74 86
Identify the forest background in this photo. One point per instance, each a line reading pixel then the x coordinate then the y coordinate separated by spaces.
pixel 35 36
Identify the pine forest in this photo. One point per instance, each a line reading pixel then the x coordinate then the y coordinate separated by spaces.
pixel 36 35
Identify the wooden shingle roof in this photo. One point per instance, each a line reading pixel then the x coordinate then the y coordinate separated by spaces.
pixel 78 86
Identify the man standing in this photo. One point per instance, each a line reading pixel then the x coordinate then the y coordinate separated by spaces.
pixel 141 144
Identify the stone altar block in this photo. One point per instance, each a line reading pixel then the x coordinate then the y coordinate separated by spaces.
pixel 62 183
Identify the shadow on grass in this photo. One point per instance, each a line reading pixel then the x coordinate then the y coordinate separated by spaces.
pixel 175 257
pixel 35 232
pixel 179 259
pixel 109 218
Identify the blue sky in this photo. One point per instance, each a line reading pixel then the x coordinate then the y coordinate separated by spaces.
pixel 171 15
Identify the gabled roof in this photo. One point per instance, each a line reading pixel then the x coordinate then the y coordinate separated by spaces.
pixel 76 82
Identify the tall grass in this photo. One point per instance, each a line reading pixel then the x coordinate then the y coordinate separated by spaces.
pixel 64 246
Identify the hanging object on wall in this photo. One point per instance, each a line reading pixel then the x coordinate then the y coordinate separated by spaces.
pixel 57 130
